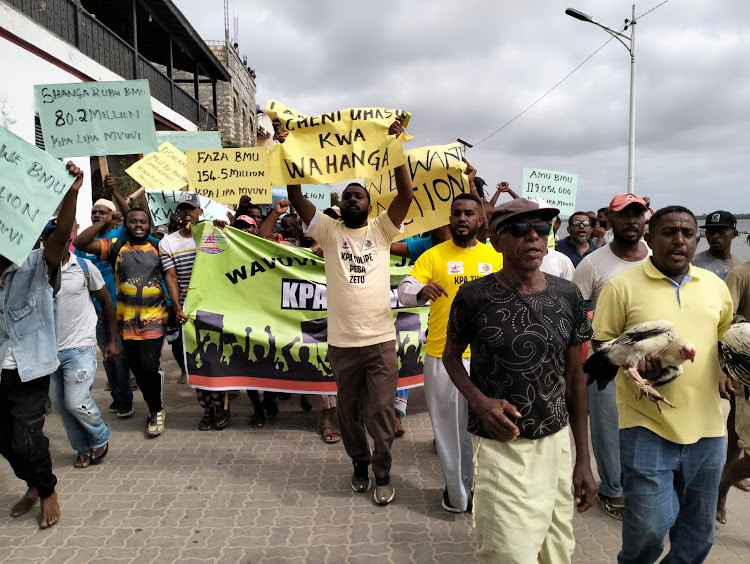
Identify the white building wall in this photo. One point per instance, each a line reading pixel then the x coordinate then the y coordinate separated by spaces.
pixel 22 69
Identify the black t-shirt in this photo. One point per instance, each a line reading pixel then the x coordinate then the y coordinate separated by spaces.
pixel 513 356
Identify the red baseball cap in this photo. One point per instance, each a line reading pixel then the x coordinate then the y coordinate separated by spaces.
pixel 622 201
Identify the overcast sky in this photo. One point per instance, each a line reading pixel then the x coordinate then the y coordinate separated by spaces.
pixel 463 69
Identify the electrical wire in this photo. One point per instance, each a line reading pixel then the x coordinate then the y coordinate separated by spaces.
pixel 566 77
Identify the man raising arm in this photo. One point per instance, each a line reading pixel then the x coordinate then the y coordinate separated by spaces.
pixel 28 349
pixel 361 343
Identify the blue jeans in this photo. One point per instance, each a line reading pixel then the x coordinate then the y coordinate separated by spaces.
pixel 117 371
pixel 668 488
pixel 605 438
pixel 70 392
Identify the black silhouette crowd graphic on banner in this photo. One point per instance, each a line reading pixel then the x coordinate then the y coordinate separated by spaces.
pixel 259 357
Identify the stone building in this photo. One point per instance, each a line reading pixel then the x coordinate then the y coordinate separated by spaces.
pixel 235 99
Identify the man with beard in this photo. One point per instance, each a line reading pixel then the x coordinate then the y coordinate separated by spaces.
pixel 436 277
pixel 525 387
pixel 627 219
pixel 141 303
pixel 671 461
pixel 577 245
pixel 361 335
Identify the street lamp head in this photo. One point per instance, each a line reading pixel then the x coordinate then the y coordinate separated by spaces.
pixel 573 13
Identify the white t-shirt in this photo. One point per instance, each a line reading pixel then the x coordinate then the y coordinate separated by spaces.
pixel 557 264
pixel 10 361
pixel 357 263
pixel 597 268
pixel 75 307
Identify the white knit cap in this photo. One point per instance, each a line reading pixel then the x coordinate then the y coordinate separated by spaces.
pixel 106 203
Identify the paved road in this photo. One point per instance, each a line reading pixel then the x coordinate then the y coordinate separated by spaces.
pixel 278 494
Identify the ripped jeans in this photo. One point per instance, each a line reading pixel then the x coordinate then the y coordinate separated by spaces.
pixel 70 391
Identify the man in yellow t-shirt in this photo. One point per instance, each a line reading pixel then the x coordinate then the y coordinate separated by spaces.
pixel 361 335
pixel 436 276
pixel 671 461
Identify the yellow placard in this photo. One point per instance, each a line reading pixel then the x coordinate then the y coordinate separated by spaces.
pixel 223 175
pixel 437 175
pixel 337 146
pixel 282 112
pixel 163 170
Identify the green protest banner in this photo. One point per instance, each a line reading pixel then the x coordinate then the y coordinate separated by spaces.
pixel 558 189
pixel 258 317
pixel 32 184
pixel 189 140
pixel 85 119
pixel 162 203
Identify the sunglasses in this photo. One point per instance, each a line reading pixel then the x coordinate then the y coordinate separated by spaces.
pixel 519 230
pixel 579 223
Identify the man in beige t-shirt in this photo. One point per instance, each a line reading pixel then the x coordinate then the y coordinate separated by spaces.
pixel 361 336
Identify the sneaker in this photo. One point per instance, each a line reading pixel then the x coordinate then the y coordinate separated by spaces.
pixel 155 423
pixel 361 478
pixel 447 503
pixel 114 407
pixel 384 491
pixel 125 410
pixel 133 383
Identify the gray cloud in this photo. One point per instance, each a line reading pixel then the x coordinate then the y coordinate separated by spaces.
pixel 464 69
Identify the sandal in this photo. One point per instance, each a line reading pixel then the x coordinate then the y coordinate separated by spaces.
pixel 257 420
pixel 331 436
pixel 221 420
pixel 612 506
pixel 207 421
pixel 97 454
pixel 82 461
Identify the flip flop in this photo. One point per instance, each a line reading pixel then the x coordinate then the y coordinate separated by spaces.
pixel 98 454
pixel 331 436
pixel 221 419
pixel 82 461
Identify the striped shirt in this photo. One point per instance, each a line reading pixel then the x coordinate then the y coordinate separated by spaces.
pixel 178 252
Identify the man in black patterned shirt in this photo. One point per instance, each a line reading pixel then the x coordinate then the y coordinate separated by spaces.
pixel 525 330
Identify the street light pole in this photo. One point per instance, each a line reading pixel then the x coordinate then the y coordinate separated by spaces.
pixel 631 133
pixel 630 46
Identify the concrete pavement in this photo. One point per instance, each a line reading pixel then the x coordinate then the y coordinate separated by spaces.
pixel 278 494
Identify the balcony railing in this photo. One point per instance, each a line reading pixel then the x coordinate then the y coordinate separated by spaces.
pixel 98 42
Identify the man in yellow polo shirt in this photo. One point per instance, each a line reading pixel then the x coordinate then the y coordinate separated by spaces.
pixel 436 276
pixel 671 461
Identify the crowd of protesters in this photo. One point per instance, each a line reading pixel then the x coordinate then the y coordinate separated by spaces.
pixel 504 382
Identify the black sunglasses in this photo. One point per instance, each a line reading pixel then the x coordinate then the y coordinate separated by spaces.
pixel 578 223
pixel 519 230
